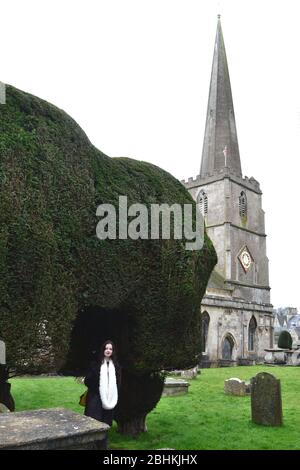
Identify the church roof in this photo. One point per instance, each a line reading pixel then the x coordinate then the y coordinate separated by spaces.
pixel 294 321
pixel 220 147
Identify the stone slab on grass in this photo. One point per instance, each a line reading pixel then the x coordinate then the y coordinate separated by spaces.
pixel 53 428
pixel 175 387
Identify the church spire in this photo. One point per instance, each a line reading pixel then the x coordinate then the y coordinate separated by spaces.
pixel 220 146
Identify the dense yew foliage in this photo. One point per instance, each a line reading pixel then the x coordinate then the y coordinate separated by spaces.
pixel 285 340
pixel 62 290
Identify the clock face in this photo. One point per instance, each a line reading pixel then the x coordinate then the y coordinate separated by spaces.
pixel 245 259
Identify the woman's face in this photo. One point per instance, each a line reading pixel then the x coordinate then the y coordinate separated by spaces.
pixel 108 350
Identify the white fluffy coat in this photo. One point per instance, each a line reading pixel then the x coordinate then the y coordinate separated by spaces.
pixel 108 385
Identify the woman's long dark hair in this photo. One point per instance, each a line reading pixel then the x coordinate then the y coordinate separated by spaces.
pixel 113 358
pixel 114 353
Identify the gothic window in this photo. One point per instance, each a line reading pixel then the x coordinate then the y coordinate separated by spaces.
pixel 243 204
pixel 203 202
pixel 227 348
pixel 251 334
pixel 204 331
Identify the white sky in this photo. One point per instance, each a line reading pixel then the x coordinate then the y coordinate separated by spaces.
pixel 135 76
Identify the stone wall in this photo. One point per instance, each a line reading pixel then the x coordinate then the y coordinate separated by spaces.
pixel 235 323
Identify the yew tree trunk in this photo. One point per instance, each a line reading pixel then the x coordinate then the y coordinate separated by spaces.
pixel 139 395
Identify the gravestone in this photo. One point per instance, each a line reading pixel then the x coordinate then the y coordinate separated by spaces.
pixel 6 398
pixel 2 93
pixel 175 387
pixel 51 429
pixel 266 405
pixel 235 386
pixel 2 352
pixel 189 373
pixel 185 373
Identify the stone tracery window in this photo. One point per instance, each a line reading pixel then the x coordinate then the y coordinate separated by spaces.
pixel 204 331
pixel 251 334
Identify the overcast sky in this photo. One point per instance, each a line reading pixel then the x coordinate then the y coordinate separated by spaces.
pixel 135 76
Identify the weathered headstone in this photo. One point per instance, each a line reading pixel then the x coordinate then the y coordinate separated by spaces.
pixel 235 386
pixel 175 387
pixel 266 405
pixel 51 429
pixel 2 93
pixel 2 352
pixel 189 373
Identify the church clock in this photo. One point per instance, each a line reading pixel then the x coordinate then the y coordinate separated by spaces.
pixel 245 259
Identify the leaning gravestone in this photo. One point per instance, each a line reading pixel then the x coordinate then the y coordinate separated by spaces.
pixel 266 406
pixel 235 386
pixel 189 373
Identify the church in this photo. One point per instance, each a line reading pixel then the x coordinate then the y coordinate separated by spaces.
pixel 237 320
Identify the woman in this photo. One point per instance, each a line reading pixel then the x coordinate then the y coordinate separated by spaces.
pixel 102 380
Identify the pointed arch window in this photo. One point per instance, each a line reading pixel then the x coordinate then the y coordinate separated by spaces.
pixel 243 204
pixel 227 348
pixel 203 202
pixel 204 330
pixel 251 334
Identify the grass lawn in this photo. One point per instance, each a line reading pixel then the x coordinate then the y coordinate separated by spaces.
pixel 205 418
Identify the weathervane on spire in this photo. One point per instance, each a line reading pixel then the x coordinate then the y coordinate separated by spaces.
pixel 219 9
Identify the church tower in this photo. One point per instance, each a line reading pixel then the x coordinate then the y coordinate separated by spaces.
pixel 236 310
